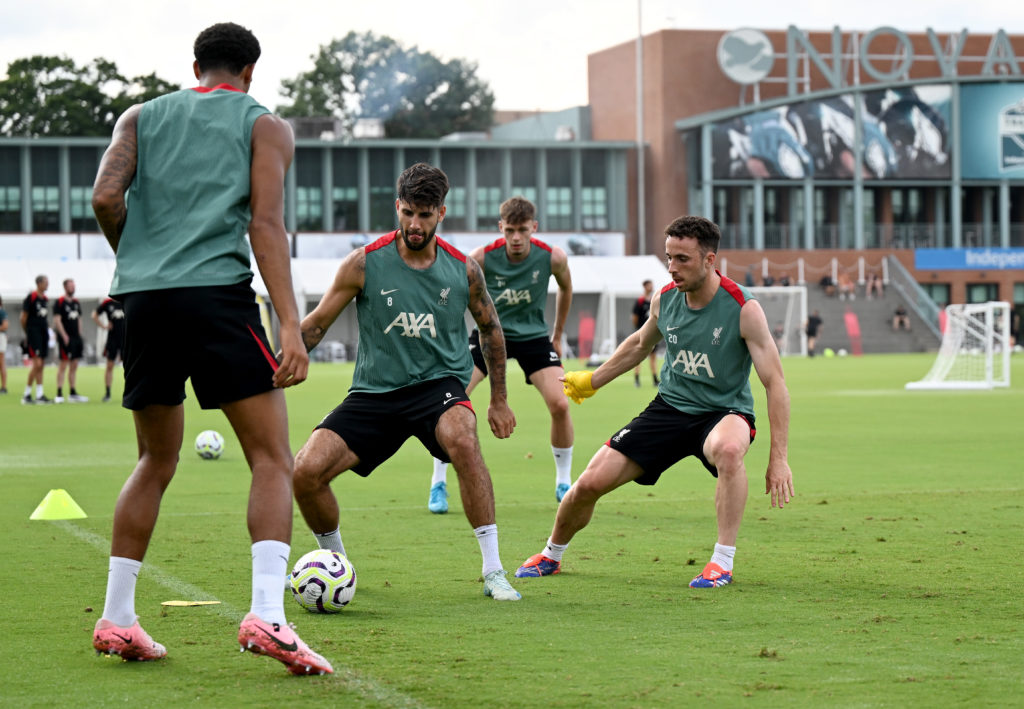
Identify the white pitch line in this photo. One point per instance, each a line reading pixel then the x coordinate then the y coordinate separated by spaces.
pixel 368 688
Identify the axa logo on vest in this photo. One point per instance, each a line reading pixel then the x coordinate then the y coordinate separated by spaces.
pixel 692 362
pixel 412 324
pixel 513 297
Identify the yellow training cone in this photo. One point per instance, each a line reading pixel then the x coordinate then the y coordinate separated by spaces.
pixel 58 505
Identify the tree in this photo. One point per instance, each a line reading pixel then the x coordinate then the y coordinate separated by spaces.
pixel 52 96
pixel 415 93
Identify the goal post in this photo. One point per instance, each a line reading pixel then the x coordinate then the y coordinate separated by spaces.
pixel 975 349
pixel 785 308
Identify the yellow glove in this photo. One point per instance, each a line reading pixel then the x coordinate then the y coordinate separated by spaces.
pixel 577 386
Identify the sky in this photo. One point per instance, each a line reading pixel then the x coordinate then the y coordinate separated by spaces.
pixel 532 53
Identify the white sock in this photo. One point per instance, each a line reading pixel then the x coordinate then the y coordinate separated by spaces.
pixel 28 392
pixel 440 472
pixel 269 566
pixel 563 465
pixel 332 541
pixel 554 551
pixel 119 607
pixel 723 556
pixel 39 390
pixel 487 535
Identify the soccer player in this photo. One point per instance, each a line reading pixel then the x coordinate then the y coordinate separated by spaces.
pixel 412 290
pixel 642 311
pixel 517 268
pixel 34 310
pixel 113 349
pixel 714 331
pixel 201 167
pixel 67 312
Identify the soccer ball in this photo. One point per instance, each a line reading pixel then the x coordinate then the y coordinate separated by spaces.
pixel 209 445
pixel 323 581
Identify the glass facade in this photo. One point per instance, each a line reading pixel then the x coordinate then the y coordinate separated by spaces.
pixel 46 184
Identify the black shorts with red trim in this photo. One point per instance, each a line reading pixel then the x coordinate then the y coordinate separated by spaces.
pixel 374 426
pixel 662 435
pixel 532 355
pixel 114 346
pixel 37 343
pixel 210 334
pixel 72 350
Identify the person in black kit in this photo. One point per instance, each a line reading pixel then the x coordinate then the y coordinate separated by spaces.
pixel 115 337
pixel 67 312
pixel 34 310
pixel 813 329
pixel 642 311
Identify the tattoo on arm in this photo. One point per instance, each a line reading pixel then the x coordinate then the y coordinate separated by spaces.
pixel 116 172
pixel 492 338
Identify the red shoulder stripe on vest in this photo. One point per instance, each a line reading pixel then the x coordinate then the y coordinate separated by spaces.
pixel 667 287
pixel 451 250
pixel 382 241
pixel 497 244
pixel 733 289
pixel 541 244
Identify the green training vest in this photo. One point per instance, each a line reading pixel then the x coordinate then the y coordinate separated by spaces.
pixel 707 363
pixel 412 325
pixel 188 205
pixel 519 290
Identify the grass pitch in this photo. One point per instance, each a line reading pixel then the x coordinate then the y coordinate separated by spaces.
pixel 891 580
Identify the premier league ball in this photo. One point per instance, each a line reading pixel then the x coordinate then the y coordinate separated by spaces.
pixel 209 445
pixel 323 581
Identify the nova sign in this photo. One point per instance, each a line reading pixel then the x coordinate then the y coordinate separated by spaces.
pixel 745 56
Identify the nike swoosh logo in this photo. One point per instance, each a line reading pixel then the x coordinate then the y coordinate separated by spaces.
pixel 385 292
pixel 127 641
pixel 290 647
pixel 670 329
pixel 447 400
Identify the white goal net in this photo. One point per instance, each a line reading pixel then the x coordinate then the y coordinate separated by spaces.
pixel 785 307
pixel 975 349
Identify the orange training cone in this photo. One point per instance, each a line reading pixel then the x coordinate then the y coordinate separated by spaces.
pixel 58 505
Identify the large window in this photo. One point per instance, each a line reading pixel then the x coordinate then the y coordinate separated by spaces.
pixel 559 191
pixel 594 197
pixel 309 204
pixel 488 189
pixel 453 162
pixel 10 190
pixel 45 190
pixel 524 174
pixel 982 292
pixel 382 190
pixel 83 165
pixel 345 193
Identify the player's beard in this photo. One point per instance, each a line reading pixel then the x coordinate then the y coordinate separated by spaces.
pixel 426 241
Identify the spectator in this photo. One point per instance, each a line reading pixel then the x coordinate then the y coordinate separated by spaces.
pixel 769 280
pixel 874 286
pixel 828 285
pixel 748 280
pixel 785 280
pixel 900 318
pixel 847 289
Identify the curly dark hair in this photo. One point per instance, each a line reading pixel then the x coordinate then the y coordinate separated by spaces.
pixel 422 185
pixel 705 231
pixel 226 45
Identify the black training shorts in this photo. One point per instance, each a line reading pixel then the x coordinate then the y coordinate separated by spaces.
pixel 532 355
pixel 37 343
pixel 72 350
pixel 662 435
pixel 374 426
pixel 211 334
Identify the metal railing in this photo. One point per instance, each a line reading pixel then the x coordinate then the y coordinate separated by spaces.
pixel 914 295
